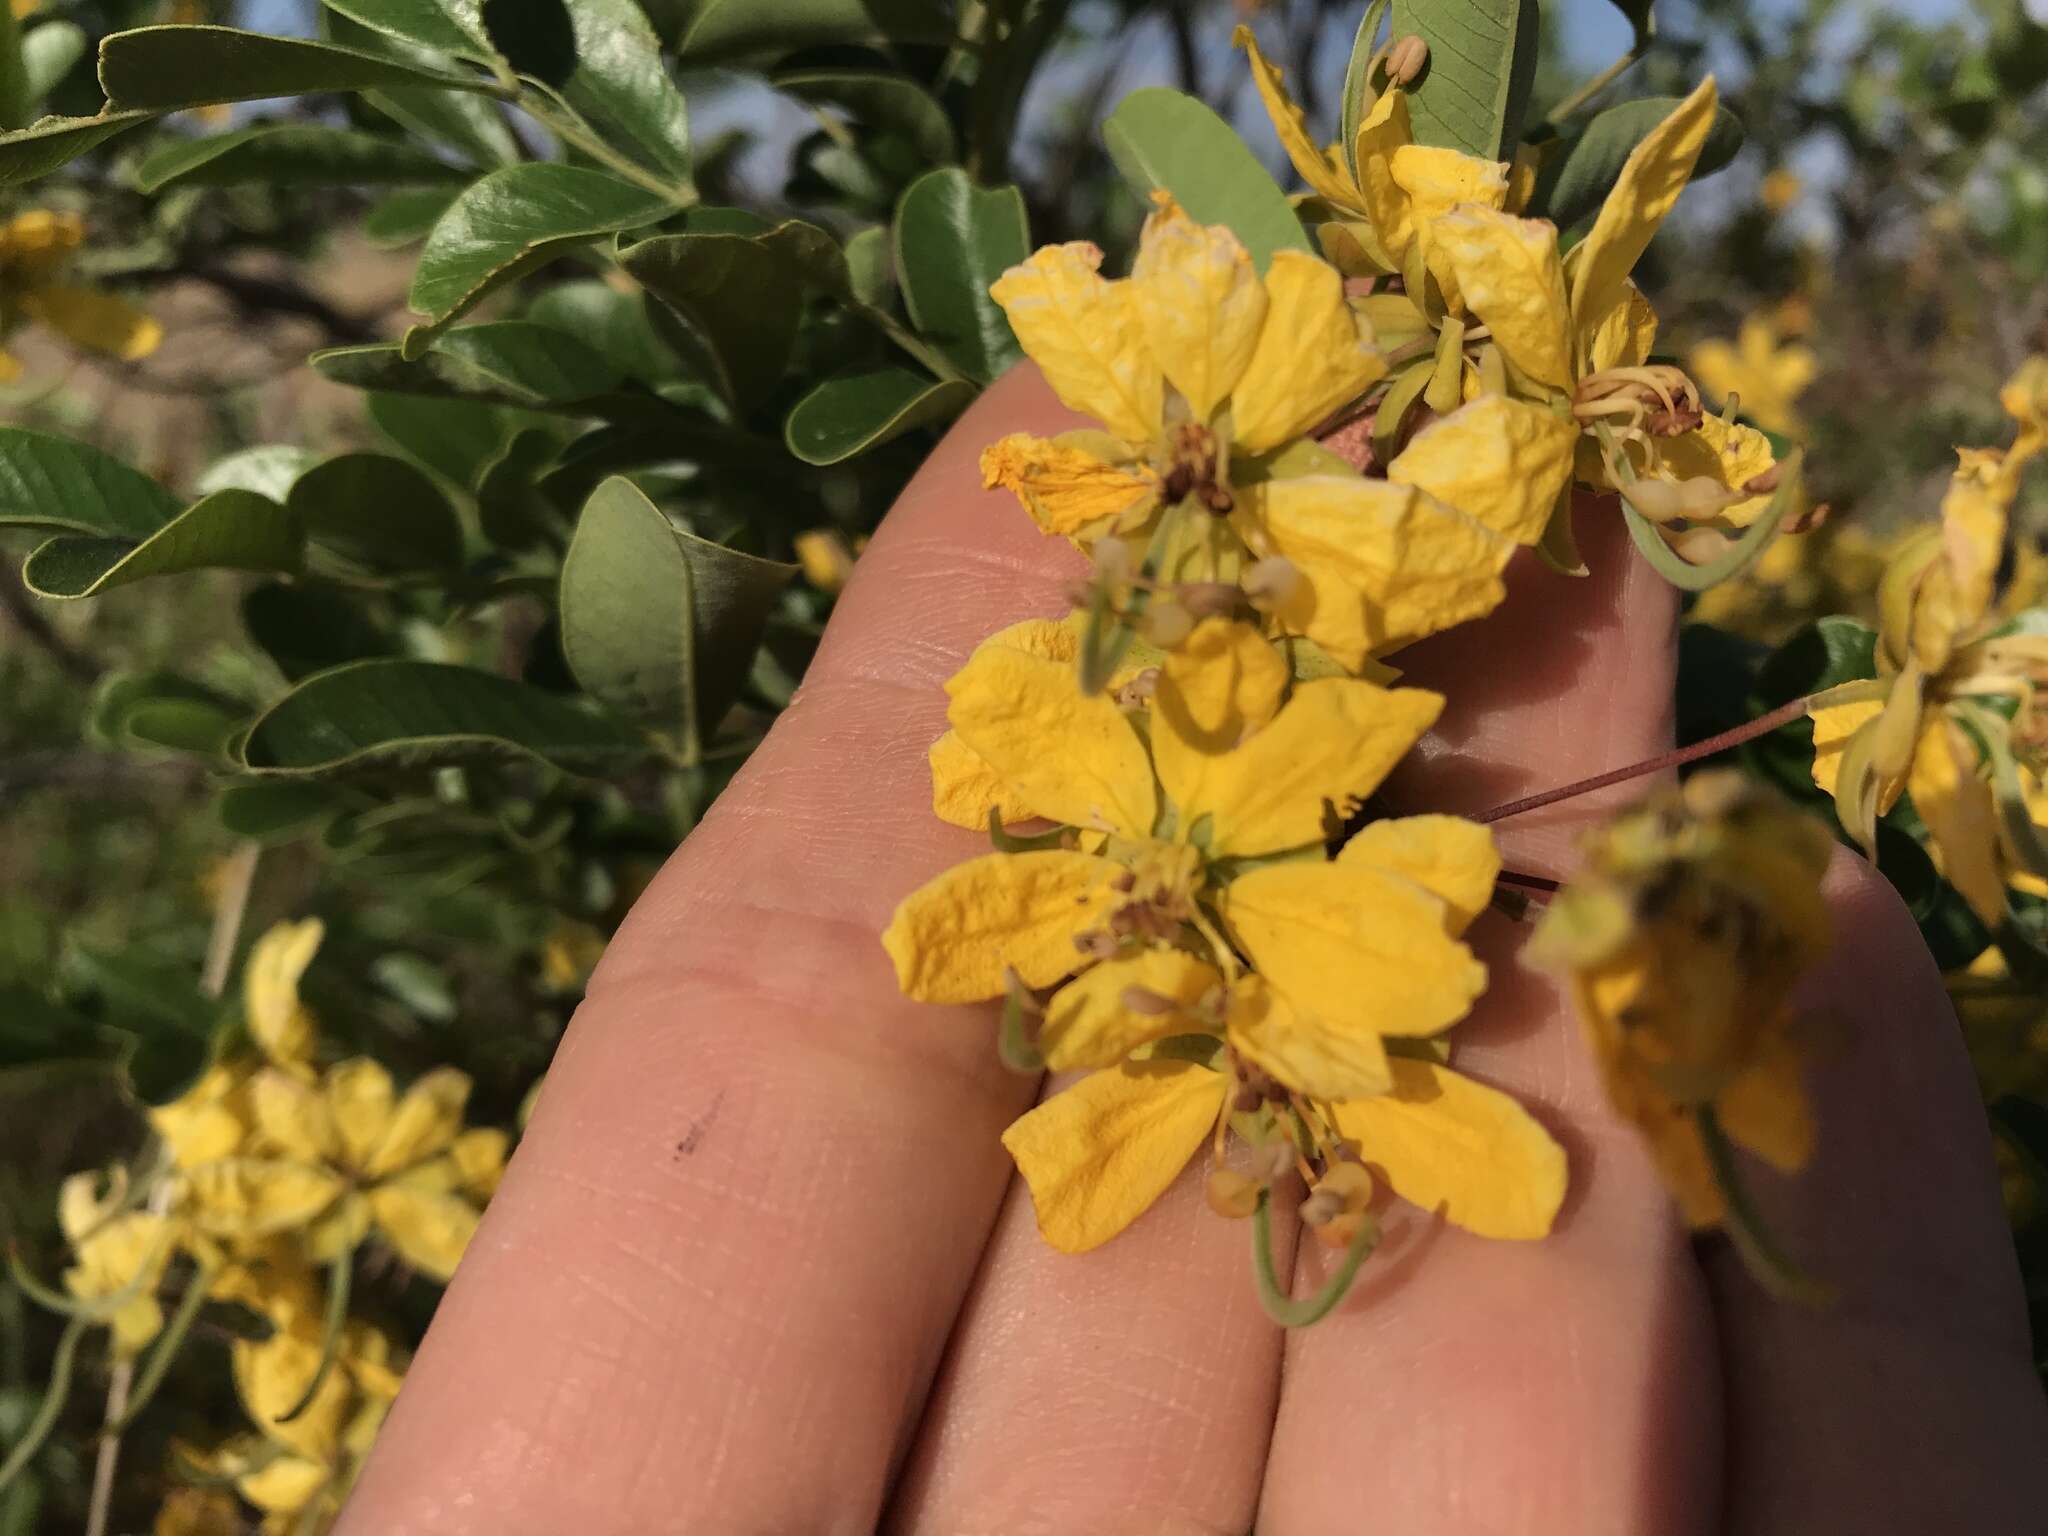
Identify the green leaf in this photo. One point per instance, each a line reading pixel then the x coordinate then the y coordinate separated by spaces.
pixel 37 1032
pixel 1482 60
pixel 661 626
pixel 615 323
pixel 502 362
pixel 166 69
pixel 723 29
pixel 512 509
pixel 386 713
pixel 1161 138
pixel 443 26
pixel 952 240
pixel 884 102
pixel 66 487
pixel 48 53
pixel 454 438
pixel 1357 85
pixel 1577 175
pixel 162 709
pixel 471 125
pixel 735 295
pixel 621 86
pixel 870 267
pixel 1830 651
pixel 38 150
pixel 291 155
pixel 853 412
pixel 309 626
pixel 378 512
pixel 404 218
pixel 511 222
pixel 229 530
pixel 268 469
pixel 273 810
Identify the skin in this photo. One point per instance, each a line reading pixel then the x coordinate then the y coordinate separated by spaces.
pixel 761 1264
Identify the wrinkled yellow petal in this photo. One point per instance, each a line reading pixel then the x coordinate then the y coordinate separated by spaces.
pixel 272 1376
pixel 1068 756
pixel 360 1096
pixel 1501 462
pixel 1512 278
pixel 99 322
pixel 425 1122
pixel 207 1121
pixel 1436 180
pixel 1448 1143
pixel 1322 168
pixel 254 1196
pixel 1097 1155
pixel 479 1159
pixel 1973 519
pixel 952 938
pixel 429 1230
pixel 1084 332
pixel 1624 336
pixel 1451 858
pixel 1729 454
pixel 1655 173
pixel 1302 1047
pixel 1327 750
pixel 1367 949
pixel 1833 725
pixel 965 789
pixel 1064 488
pixel 1384 564
pixel 282 1029
pixel 292 1117
pixel 1089 1022
pixel 1224 683
pixel 1961 814
pixel 1766 1108
pixel 1314 354
pixel 1200 302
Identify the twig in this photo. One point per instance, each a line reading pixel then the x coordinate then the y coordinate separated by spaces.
pixel 227 917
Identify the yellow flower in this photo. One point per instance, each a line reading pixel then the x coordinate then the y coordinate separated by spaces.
pixel 342 1156
pixel 198 1511
pixel 1348 950
pixel 34 247
pixel 283 1028
pixel 826 558
pixel 1205 376
pixel 1761 369
pixel 1681 940
pixel 118 1252
pixel 1943 648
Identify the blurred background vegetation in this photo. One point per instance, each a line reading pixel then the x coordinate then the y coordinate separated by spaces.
pixel 1865 276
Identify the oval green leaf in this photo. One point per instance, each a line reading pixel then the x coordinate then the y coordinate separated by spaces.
pixel 1482 60
pixel 444 26
pixel 658 625
pixel 292 154
pixel 309 626
pixel 853 412
pixel 65 487
pixel 733 293
pixel 36 151
pixel 167 69
pixel 231 530
pixel 268 469
pixel 386 713
pixel 881 101
pixel 378 513
pixel 404 218
pixel 952 240
pixel 722 29
pixel 501 362
pixel 1162 138
pixel 621 86
pixel 273 810
pixel 509 223
pixel 1578 174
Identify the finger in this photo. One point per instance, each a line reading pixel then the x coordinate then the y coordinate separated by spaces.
pixel 1910 1403
pixel 1127 1389
pixel 722 1267
pixel 1564 1386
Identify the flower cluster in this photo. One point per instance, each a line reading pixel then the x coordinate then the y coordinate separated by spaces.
pixel 271 1168
pixel 34 249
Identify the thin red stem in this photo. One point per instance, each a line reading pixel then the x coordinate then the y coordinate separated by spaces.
pixel 1762 725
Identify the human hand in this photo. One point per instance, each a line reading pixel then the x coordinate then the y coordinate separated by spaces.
pixel 761 1265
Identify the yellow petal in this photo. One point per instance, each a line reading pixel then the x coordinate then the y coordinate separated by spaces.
pixel 99 322
pixel 272 1376
pixel 1383 133
pixel 1451 858
pixel 1766 1109
pixel 965 789
pixel 479 1159
pixel 1302 1047
pixel 951 938
pixel 1084 332
pixel 1436 180
pixel 284 1486
pixel 1448 1143
pixel 359 1096
pixel 1384 564
pixel 10 367
pixel 1069 757
pixel 1501 462
pixel 1096 1156
pixel 1064 488
pixel 1728 453
pixel 1655 173
pixel 293 1117
pixel 1314 354
pixel 429 1230
pixel 1512 278
pixel 1961 814
pixel 207 1121
pixel 1090 1023
pixel 425 1122
pixel 1322 168
pixel 193 1511
pixel 1200 302
pixel 1369 950
pixel 281 1027
pixel 1833 725
pixel 252 1196
pixel 1224 683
